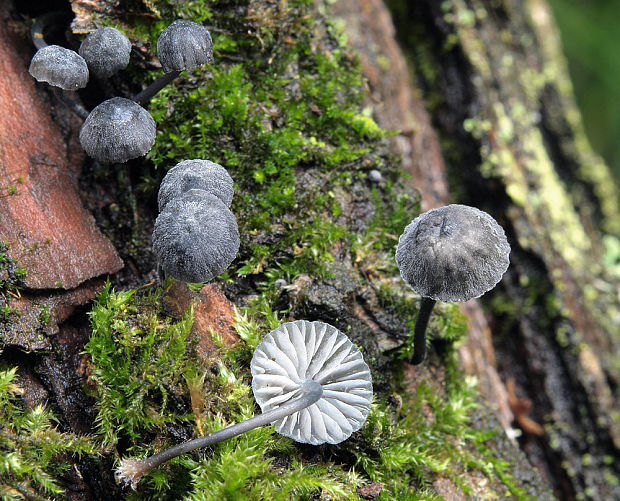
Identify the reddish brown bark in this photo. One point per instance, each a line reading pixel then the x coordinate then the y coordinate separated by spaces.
pixel 49 232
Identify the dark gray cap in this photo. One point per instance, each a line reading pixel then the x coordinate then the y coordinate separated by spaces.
pixel 453 253
pixel 196 174
pixel 195 237
pixel 184 45
pixel 59 67
pixel 106 51
pixel 118 130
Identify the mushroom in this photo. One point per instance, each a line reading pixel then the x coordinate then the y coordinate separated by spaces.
pixel 195 237
pixel 309 379
pixel 196 174
pixel 117 130
pixel 183 45
pixel 308 353
pixel 453 253
pixel 59 67
pixel 106 51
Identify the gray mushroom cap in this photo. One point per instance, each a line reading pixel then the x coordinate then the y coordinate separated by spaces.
pixel 184 45
pixel 302 351
pixel 106 51
pixel 118 130
pixel 453 253
pixel 196 174
pixel 195 237
pixel 59 67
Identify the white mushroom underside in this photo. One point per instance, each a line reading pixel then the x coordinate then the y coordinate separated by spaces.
pixel 299 351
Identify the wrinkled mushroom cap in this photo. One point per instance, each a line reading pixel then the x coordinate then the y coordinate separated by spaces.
pixel 453 253
pixel 118 130
pixel 196 174
pixel 184 45
pixel 106 51
pixel 301 351
pixel 59 67
pixel 195 237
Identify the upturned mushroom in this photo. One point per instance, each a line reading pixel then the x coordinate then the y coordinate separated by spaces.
pixel 106 51
pixel 196 174
pixel 310 381
pixel 453 253
pixel 308 353
pixel 195 237
pixel 117 130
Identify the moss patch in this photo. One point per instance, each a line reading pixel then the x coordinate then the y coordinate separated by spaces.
pixel 11 280
pixel 152 393
pixel 34 452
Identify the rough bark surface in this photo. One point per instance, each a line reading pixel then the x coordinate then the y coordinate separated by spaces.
pixel 480 98
pixel 494 78
pixel 42 218
pixel 44 221
pixel 399 106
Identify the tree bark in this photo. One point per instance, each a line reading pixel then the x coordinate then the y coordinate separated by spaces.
pixel 494 81
pixel 479 95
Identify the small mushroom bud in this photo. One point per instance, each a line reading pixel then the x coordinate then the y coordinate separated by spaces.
pixel 195 237
pixel 184 45
pixel 106 51
pixel 59 67
pixel 310 381
pixel 196 174
pixel 117 130
pixel 453 253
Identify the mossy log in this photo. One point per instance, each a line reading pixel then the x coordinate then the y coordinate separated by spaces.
pixel 335 141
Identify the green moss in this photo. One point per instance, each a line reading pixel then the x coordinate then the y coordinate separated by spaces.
pixel 149 384
pixel 44 316
pixel 12 278
pixel 394 210
pixel 12 187
pixel 431 436
pixel 291 106
pixel 31 447
pixel 282 109
pixel 12 275
pixel 139 365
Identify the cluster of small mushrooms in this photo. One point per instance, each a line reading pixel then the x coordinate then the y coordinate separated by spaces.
pixel 309 379
pixel 119 129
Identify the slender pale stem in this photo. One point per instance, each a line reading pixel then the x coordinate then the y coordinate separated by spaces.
pixel 131 470
pixel 74 106
pixel 419 331
pixel 144 96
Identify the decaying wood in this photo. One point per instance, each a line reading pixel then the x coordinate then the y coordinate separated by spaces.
pixel 500 100
pixel 483 104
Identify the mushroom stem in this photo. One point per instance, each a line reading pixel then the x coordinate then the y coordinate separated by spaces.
pixel 74 106
pixel 144 96
pixel 132 470
pixel 41 23
pixel 419 331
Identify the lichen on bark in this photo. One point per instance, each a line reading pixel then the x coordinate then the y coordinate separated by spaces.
pixel 282 109
pixel 495 81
